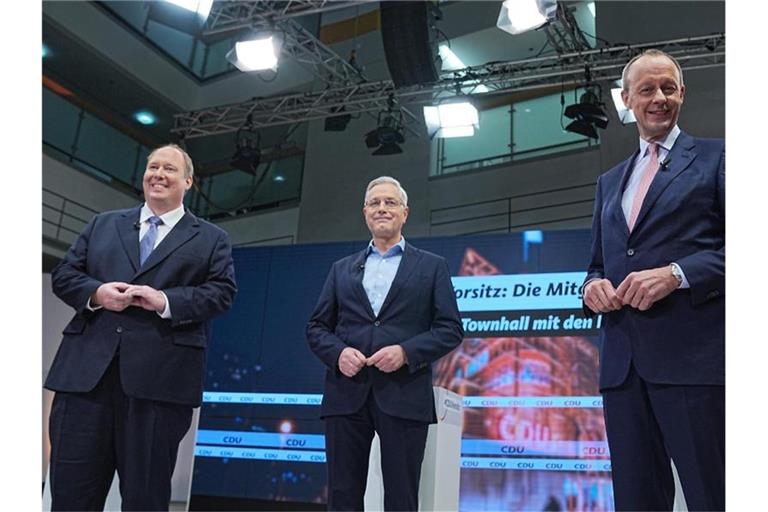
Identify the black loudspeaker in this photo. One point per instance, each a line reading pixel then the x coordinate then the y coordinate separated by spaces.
pixel 410 41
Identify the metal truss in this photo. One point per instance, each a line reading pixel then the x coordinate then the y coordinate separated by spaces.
pixel 574 68
pixel 299 43
pixel 233 16
pixel 564 34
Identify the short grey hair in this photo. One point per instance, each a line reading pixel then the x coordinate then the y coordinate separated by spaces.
pixel 189 168
pixel 649 53
pixel 392 181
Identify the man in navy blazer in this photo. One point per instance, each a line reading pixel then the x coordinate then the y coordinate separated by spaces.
pixel 657 275
pixel 383 317
pixel 144 283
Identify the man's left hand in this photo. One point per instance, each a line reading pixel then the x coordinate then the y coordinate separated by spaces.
pixel 147 297
pixel 642 289
pixel 388 359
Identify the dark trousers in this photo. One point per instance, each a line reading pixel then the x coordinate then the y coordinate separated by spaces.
pixel 95 433
pixel 647 424
pixel 348 445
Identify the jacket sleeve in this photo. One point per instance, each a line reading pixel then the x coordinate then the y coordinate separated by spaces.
pixel 192 304
pixel 705 270
pixel 321 335
pixel 595 269
pixel 445 333
pixel 69 279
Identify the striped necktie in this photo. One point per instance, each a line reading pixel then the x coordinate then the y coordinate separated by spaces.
pixel 148 242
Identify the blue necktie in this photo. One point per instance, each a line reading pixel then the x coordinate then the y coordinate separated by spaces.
pixel 148 242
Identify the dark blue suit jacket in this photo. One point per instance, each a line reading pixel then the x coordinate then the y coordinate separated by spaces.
pixel 681 338
pixel 159 359
pixel 419 313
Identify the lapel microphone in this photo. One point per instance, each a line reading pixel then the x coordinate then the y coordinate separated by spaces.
pixel 137 225
pixel 664 166
pixel 361 267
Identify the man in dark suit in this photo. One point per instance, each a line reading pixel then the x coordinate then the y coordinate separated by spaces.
pixel 658 276
pixel 383 317
pixel 144 283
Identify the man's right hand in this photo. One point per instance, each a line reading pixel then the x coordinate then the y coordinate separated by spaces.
pixel 351 361
pixel 600 296
pixel 112 296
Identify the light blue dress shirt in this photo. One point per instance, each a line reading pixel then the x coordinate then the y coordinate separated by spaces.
pixel 380 270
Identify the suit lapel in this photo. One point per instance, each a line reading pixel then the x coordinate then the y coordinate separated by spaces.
pixel 408 264
pixel 680 158
pixel 129 235
pixel 185 229
pixel 618 212
pixel 356 272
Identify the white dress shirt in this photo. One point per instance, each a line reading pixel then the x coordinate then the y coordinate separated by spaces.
pixel 170 219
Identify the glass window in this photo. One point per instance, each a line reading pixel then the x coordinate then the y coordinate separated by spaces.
pixel 526 129
pixel 60 119
pixel 107 149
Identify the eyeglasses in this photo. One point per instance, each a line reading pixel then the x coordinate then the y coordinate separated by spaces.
pixel 387 204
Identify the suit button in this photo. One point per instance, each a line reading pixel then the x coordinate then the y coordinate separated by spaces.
pixel 630 252
pixel 119 330
pixel 377 323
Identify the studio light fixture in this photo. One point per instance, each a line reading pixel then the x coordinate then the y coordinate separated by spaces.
pixel 255 54
pixel 626 116
pixel 587 115
pixel 185 15
pixel 338 123
pixel 454 119
pixel 518 16
pixel 451 62
pixel 247 155
pixel 388 134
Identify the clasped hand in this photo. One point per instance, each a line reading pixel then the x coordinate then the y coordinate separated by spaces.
pixel 387 359
pixel 639 290
pixel 116 296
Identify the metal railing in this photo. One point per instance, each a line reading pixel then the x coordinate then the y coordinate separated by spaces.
pixel 63 219
pixel 565 205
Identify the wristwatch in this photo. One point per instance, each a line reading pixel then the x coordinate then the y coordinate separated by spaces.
pixel 677 273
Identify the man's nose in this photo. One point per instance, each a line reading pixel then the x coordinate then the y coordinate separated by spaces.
pixel 659 95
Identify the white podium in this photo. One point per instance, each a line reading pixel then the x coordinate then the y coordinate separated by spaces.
pixel 439 485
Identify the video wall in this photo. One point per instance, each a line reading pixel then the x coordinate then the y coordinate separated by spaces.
pixel 533 435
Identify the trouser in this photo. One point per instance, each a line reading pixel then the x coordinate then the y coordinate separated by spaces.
pixel 95 433
pixel 348 441
pixel 647 424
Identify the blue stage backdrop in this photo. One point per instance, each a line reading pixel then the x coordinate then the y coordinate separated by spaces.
pixel 533 438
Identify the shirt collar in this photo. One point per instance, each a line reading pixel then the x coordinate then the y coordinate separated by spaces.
pixel 169 218
pixel 665 143
pixel 398 248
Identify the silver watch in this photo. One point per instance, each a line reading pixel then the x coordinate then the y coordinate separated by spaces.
pixel 677 273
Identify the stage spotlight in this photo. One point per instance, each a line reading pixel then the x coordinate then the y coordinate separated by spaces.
pixel 247 155
pixel 455 119
pixel 337 123
pixel 388 134
pixel 518 16
pixel 256 54
pixel 186 15
pixel 626 116
pixel 586 114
